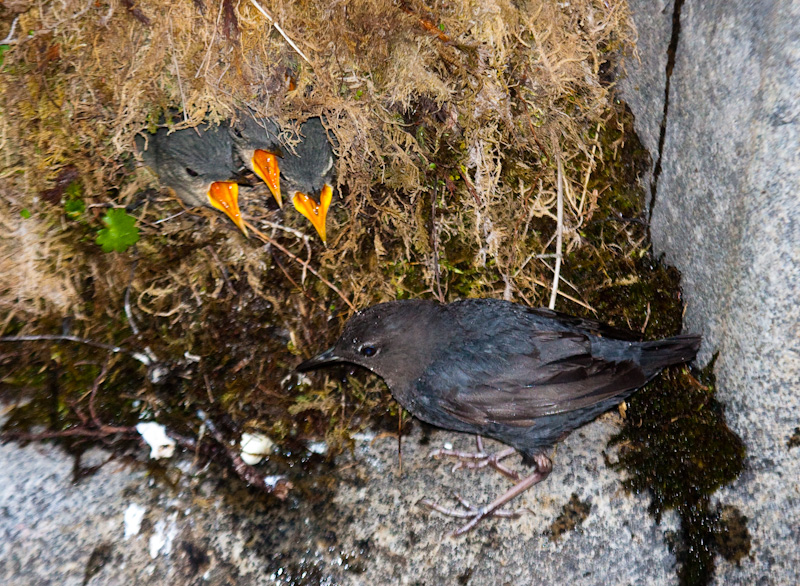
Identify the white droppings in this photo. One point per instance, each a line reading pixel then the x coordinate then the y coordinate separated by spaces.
pixel 318 447
pixel 164 534
pixel 155 434
pixel 132 520
pixel 254 447
pixel 364 436
pixel 272 481
pixel 298 377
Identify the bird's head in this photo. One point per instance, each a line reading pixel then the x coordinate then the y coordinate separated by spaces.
pixel 395 340
pixel 197 164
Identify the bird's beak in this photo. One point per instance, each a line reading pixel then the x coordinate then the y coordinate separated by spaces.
pixel 265 164
pixel 324 359
pixel 224 195
pixel 316 213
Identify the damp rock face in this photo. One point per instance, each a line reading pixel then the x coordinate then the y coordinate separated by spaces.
pixel 727 215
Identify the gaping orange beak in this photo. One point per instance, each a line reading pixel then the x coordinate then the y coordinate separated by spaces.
pixel 224 195
pixel 315 212
pixel 265 164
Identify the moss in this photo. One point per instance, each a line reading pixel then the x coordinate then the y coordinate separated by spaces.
pixel 573 514
pixel 794 440
pixel 677 446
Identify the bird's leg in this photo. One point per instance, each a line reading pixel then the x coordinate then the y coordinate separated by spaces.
pixel 543 468
pixel 479 459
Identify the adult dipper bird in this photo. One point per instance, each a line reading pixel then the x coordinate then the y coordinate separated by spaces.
pixel 526 377
pixel 198 165
pixel 305 160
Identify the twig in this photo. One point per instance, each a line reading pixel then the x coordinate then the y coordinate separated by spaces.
pixel 99 433
pixel 177 70
pixel 305 264
pixel 143 358
pixel 435 238
pixel 96 385
pixel 10 36
pixel 588 174
pixel 295 283
pixel 563 280
pixel 223 269
pixel 559 228
pixel 168 218
pixel 36 33
pixel 127 301
pixel 211 44
pixel 9 317
pixel 426 24
pixel 288 230
pixel 129 314
pixel 280 30
pixel 566 296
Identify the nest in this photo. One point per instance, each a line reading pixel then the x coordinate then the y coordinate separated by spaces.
pixel 448 116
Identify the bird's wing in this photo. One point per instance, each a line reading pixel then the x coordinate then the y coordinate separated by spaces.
pixel 586 325
pixel 551 373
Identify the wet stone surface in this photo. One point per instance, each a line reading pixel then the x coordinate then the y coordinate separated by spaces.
pixel 367 527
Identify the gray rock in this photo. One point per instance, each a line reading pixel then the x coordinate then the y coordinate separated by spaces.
pixel 642 82
pixel 368 530
pixel 727 215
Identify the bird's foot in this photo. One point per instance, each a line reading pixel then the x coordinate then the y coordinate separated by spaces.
pixel 494 509
pixel 471 512
pixel 479 459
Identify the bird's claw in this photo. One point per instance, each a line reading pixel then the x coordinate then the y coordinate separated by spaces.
pixel 471 512
pixel 478 460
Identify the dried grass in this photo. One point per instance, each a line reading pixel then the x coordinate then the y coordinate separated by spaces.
pixel 463 101
pixel 35 264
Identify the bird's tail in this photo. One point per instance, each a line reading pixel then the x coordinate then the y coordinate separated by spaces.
pixel 662 353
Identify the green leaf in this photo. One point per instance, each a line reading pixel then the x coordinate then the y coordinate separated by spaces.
pixel 3 49
pixel 120 231
pixel 25 213
pixel 74 208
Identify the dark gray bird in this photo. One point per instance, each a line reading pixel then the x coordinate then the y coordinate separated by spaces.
pixel 300 165
pixel 197 164
pixel 526 377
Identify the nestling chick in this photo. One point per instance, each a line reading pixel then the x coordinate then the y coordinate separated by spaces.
pixel 305 169
pixel 197 164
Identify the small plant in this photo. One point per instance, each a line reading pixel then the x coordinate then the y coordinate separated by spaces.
pixel 120 232
pixel 74 208
pixel 73 201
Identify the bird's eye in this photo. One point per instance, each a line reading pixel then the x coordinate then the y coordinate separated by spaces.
pixel 192 172
pixel 368 351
